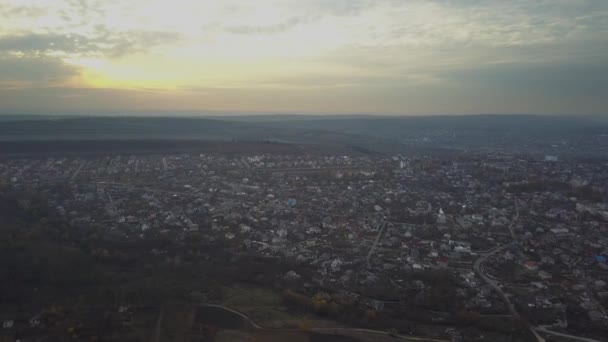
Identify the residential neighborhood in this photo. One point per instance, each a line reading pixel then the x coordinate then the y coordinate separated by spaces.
pixel 512 235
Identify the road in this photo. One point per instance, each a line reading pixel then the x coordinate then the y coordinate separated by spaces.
pixel 488 280
pixel 310 169
pixel 245 317
pixel 494 284
pixel 330 330
pixel 78 170
pixel 477 267
pixel 336 330
pixel 401 337
pixel 112 204
pixel 144 188
pixel 515 219
pixel 546 331
pixel 159 322
pixel 484 256
pixel 371 251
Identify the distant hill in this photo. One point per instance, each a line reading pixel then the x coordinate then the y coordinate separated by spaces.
pixel 79 128
pixel 146 134
pixel 561 135
pixel 513 133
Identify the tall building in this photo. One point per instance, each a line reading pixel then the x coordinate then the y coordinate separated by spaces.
pixel 441 219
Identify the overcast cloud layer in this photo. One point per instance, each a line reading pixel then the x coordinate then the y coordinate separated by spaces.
pixel 318 56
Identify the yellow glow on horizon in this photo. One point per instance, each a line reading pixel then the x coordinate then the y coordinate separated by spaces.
pixel 342 55
pixel 180 73
pixel 229 44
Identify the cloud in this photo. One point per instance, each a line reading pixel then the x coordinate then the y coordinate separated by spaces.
pixel 34 42
pixel 278 28
pixel 84 10
pixel 117 44
pixel 340 8
pixel 471 23
pixel 22 11
pixel 82 27
pixel 568 80
pixel 349 79
pixel 103 42
pixel 29 71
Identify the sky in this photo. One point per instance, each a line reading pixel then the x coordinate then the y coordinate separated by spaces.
pixel 305 56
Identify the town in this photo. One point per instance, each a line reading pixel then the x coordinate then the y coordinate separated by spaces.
pixel 438 239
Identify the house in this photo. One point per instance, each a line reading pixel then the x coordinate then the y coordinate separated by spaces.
pixel 376 304
pixel 35 322
pixel 531 265
pixel 441 218
pixel 560 231
pixel 596 315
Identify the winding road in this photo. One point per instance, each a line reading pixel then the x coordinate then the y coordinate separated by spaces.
pixel 572 337
pixel 488 280
pixel 335 330
pixel 494 284
pixel 478 269
pixel 242 315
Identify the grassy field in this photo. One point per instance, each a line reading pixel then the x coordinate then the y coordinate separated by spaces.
pixel 263 306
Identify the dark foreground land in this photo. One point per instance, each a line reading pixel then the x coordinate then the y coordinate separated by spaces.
pixel 56 286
